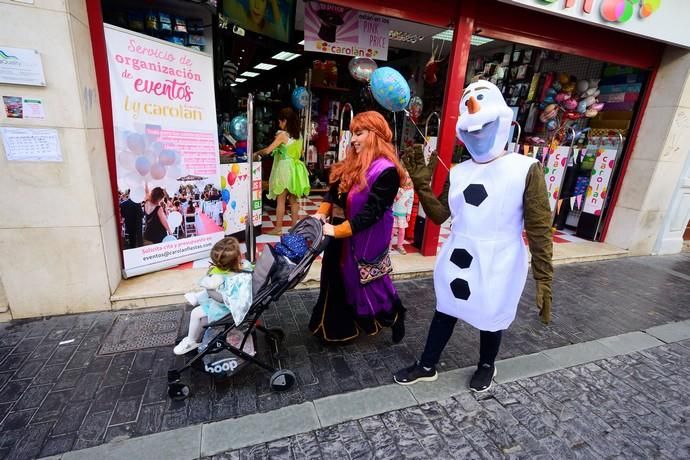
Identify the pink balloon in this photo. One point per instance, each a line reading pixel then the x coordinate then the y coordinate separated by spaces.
pixel 158 171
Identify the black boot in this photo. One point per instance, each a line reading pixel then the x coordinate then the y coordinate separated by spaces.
pixel 398 328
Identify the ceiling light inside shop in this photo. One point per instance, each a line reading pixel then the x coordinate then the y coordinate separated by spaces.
pixel 283 55
pixel 264 66
pixel 250 74
pixel 476 40
pixel 301 43
pixel 233 84
pixel 240 80
pixel 294 56
pixel 406 37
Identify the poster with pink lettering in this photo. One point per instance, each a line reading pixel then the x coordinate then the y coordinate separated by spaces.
pixel 166 148
pixel 335 29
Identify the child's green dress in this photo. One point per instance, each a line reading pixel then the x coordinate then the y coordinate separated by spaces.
pixel 288 172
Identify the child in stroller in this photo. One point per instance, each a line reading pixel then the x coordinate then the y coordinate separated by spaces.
pixel 227 288
pixel 278 269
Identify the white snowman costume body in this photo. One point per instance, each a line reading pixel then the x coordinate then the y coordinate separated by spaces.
pixel 481 270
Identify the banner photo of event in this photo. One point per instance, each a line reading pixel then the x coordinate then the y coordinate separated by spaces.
pixel 234 189
pixel 166 150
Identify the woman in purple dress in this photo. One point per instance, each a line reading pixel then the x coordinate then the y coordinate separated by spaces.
pixel 356 293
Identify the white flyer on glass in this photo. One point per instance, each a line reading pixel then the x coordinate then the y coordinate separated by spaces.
pixel 23 144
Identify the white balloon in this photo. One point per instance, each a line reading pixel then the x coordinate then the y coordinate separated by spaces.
pixel 137 194
pixel 125 160
pixel 174 219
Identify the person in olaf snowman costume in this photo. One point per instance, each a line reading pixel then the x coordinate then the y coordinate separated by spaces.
pixel 481 270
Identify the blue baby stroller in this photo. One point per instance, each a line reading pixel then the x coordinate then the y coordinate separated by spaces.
pixel 274 274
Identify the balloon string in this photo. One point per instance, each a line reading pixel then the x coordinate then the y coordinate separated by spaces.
pixel 424 137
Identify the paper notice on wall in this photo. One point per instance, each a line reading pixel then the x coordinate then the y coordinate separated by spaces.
pixel 31 144
pixel 23 108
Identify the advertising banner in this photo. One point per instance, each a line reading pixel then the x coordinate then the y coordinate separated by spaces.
pixel 337 30
pixel 234 192
pixel 166 143
pixel 599 181
pixel 553 173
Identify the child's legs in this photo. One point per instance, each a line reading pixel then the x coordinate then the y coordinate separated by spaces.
pixel 197 321
pixel 294 208
pixel 280 208
pixel 401 236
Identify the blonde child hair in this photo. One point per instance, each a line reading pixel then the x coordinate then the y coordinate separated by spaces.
pixel 226 255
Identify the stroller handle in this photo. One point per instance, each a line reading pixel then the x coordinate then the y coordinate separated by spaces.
pixel 323 244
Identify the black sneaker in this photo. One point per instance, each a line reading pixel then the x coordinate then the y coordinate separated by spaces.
pixel 415 373
pixel 483 378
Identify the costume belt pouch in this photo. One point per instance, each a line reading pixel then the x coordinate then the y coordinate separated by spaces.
pixel 372 270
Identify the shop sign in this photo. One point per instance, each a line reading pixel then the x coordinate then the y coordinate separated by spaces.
pixel 599 181
pixel 553 173
pixel 662 20
pixel 19 66
pixel 337 30
pixel 164 123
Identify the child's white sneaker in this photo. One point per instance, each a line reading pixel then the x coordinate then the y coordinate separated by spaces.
pixel 185 346
pixel 191 297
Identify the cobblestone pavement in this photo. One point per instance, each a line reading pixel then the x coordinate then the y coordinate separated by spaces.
pixel 630 406
pixel 56 398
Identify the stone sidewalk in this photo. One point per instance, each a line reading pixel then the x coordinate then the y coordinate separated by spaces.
pixel 628 406
pixel 56 398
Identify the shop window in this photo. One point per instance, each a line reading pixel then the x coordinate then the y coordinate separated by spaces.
pixel 575 115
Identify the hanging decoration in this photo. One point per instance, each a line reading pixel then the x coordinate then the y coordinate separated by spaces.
pixel 361 68
pixel 390 89
pixel 300 97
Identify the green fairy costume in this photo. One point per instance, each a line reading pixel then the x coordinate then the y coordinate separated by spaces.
pixel 288 172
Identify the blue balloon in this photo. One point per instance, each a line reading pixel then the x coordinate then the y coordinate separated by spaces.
pixel 233 204
pixel 238 127
pixel 390 89
pixel 300 97
pixel 169 239
pixel 225 195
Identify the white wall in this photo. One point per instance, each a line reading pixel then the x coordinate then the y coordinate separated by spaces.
pixel 58 241
pixel 658 158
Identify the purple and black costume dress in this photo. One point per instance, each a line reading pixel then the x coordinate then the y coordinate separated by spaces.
pixel 364 223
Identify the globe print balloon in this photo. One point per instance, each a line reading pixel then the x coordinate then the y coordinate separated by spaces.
pixel 361 68
pixel 390 89
pixel 300 97
pixel 238 127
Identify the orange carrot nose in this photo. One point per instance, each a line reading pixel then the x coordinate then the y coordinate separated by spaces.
pixel 472 105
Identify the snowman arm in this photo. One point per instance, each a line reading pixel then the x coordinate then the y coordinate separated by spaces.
pixel 537 215
pixel 436 207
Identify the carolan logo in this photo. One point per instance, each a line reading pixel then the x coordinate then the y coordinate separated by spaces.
pixel 613 10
